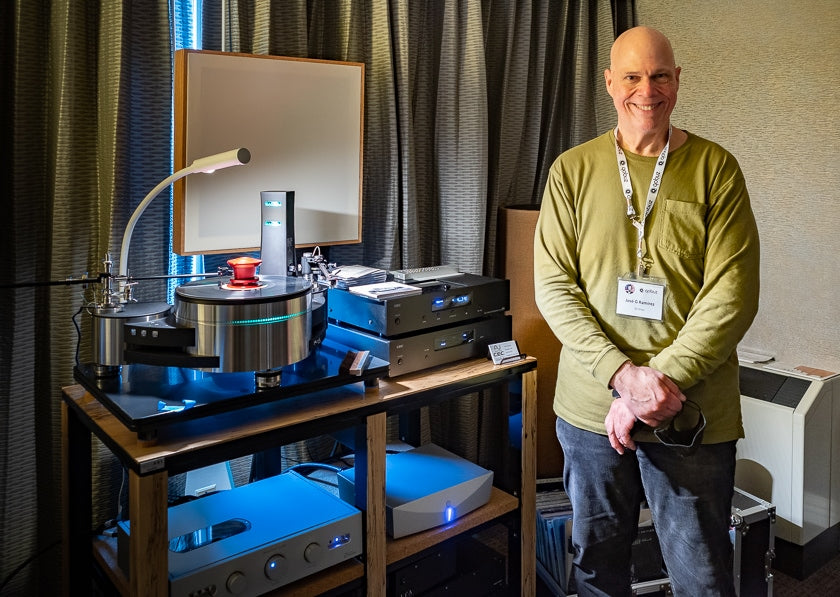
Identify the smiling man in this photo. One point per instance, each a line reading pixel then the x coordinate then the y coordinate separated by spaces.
pixel 647 270
pixel 643 81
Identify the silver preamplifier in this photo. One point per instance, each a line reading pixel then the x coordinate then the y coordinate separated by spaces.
pixel 255 538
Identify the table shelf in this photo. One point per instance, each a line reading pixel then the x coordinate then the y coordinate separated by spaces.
pixel 193 445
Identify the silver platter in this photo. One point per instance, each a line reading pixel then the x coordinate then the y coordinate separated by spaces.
pixel 249 329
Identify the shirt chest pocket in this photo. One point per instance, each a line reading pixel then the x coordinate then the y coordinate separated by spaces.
pixel 682 228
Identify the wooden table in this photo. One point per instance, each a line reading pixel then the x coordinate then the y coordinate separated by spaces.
pixel 250 430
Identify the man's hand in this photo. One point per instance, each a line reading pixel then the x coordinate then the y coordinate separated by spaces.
pixel 619 422
pixel 650 395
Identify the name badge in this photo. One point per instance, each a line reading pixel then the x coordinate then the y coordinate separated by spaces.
pixel 640 297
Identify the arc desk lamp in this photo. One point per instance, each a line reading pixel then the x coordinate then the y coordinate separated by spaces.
pixel 115 306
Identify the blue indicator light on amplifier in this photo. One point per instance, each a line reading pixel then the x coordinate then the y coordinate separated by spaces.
pixel 449 513
pixel 339 540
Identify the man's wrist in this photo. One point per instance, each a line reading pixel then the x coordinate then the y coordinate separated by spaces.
pixel 615 380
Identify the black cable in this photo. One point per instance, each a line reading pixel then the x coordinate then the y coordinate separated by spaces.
pixel 78 330
pixel 25 563
pixel 313 466
pixel 305 468
pixel 322 481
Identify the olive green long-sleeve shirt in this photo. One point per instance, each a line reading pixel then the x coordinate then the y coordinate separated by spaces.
pixel 702 240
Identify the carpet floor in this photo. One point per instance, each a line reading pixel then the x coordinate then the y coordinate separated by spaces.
pixel 824 582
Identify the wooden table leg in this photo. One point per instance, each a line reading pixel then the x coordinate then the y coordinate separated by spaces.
pixel 149 544
pixel 375 532
pixel 528 505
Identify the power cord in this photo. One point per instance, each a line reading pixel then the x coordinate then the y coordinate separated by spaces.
pixel 26 562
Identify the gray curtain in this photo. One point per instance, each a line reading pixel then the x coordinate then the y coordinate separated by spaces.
pixel 467 104
pixel 87 98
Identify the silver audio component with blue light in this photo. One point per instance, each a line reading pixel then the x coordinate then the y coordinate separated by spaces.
pixel 425 487
pixel 256 538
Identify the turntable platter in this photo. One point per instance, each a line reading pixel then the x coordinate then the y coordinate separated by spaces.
pixel 269 288
pixel 250 328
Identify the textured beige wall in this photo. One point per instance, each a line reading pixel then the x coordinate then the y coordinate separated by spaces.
pixel 762 78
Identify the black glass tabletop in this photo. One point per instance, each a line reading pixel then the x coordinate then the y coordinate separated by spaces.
pixel 148 397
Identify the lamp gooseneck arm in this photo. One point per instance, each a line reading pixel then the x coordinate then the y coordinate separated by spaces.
pixel 234 157
pixel 132 221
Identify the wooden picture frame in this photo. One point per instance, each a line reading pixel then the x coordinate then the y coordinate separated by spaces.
pixel 302 121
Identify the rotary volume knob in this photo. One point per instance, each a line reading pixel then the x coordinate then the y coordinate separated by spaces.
pixel 237 583
pixel 313 553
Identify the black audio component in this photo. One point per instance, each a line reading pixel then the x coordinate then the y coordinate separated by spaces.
pixel 445 302
pixel 434 347
pixel 462 566
pixel 481 571
pixel 418 575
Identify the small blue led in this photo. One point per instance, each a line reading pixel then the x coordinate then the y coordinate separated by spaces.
pixel 273 204
pixel 449 513
pixel 339 540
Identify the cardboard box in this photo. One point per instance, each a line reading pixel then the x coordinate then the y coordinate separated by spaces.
pixel 517 224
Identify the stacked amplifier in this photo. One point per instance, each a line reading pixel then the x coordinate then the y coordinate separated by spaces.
pixel 453 317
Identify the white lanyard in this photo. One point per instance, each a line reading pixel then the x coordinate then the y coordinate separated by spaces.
pixel 655 182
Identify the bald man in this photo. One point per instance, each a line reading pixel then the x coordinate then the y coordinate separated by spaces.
pixel 647 270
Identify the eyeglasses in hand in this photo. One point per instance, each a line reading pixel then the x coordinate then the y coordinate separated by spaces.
pixel 689 438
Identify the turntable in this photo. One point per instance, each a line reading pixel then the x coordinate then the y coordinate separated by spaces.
pixel 232 339
pixel 224 324
pixel 230 342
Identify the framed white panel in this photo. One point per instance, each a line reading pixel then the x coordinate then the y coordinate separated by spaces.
pixel 302 121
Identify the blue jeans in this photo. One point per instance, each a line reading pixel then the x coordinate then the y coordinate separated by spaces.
pixel 690 498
